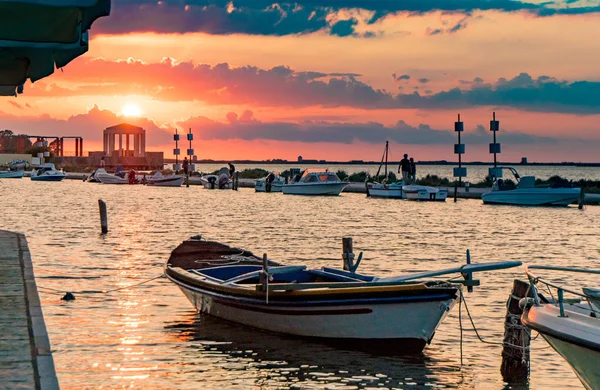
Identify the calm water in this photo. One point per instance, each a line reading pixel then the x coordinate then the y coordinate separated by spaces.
pixel 475 173
pixel 150 337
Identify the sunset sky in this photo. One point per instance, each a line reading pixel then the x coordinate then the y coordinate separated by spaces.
pixel 333 79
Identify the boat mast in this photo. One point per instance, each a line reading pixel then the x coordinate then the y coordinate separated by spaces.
pixel 386 158
pixel 382 159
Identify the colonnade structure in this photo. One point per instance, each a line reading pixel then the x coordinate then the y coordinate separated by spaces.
pixel 137 147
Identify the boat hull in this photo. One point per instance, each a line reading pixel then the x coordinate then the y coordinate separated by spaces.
pixel 390 191
pixel 48 178
pixel 176 181
pixel 533 197
pixel 399 327
pixel 425 194
pixel 206 183
pixel 575 337
pixel 107 178
pixel 261 186
pixel 11 174
pixel 322 189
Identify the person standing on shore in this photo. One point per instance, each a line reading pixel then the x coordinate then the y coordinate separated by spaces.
pixel 405 168
pixel 413 171
pixel 185 166
pixel 102 162
pixel 231 169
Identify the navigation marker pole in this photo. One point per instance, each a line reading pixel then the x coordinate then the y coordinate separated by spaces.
pixel 190 153
pixel 495 172
pixel 459 149
pixel 176 152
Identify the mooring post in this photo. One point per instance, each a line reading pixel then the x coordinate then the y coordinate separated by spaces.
pixel 455 192
pixel 103 216
pixel 347 254
pixel 515 352
pixel 581 199
pixel 236 180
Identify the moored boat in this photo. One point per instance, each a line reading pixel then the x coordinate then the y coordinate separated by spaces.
pixel 160 180
pixel 384 189
pixel 219 181
pixel 570 326
pixel 47 172
pixel 11 174
pixel 425 193
pixel 527 194
pixel 315 181
pixel 93 178
pixel 398 314
pixel 271 183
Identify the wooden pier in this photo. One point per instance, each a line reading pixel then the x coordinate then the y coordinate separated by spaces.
pixel 25 356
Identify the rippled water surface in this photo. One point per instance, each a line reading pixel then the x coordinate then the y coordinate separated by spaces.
pixel 150 336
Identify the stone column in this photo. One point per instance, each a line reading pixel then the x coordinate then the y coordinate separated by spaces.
pixel 111 144
pixel 143 137
pixel 80 147
pixel 120 144
pixel 105 144
pixel 127 144
pixel 136 145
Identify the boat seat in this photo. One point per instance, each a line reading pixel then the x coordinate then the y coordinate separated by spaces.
pixel 272 271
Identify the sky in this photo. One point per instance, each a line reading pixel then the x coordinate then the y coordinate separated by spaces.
pixel 332 79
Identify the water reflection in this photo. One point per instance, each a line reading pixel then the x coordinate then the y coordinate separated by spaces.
pixel 255 358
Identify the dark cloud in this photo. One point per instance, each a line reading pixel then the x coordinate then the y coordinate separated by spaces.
pixel 400 77
pixel 424 80
pixel 262 17
pixel 250 129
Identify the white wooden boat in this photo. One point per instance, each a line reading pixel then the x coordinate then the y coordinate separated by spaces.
pixel 527 194
pixel 219 181
pixel 11 174
pixel 158 180
pixel 271 183
pixel 570 326
pixel 93 178
pixel 47 172
pixel 399 314
pixel 425 193
pixel 315 181
pixel 385 189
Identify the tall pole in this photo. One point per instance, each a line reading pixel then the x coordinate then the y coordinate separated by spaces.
pixel 495 148
pixel 176 151
pixel 190 153
pixel 459 149
pixel 386 158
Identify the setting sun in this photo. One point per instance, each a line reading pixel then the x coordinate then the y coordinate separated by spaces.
pixel 131 110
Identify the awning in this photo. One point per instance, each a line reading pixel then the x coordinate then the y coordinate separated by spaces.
pixel 38 36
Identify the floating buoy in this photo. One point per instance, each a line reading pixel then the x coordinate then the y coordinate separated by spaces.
pixel 68 297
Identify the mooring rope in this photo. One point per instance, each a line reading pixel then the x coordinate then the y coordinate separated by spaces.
pixel 60 292
pixel 515 322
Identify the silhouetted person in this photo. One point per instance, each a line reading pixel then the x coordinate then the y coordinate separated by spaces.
pixel 186 166
pixel 405 168
pixel 102 162
pixel 231 169
pixel 413 170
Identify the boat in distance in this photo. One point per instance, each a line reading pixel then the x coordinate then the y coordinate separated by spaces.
pixel 425 193
pixel 160 180
pixel 394 314
pixel 385 189
pixel 527 194
pixel 315 181
pixel 570 326
pixel 271 183
pixel 11 174
pixel 47 172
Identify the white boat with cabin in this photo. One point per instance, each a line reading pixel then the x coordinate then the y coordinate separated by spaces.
pixel 385 189
pixel 47 172
pixel 219 181
pixel 570 326
pixel 315 181
pixel 271 183
pixel 527 194
pixel 425 193
pixel 121 176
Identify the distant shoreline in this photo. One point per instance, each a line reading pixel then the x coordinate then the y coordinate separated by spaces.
pixel 355 162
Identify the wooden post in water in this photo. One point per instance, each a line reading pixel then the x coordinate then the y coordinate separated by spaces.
pixel 515 352
pixel 103 216
pixel 347 253
pixel 581 199
pixel 455 192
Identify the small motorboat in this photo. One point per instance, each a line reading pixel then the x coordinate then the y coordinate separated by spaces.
pixel 18 165
pixel 570 325
pixel 315 181
pixel 397 314
pixel 220 181
pixel 527 194
pixel 271 183
pixel 425 193
pixel 11 174
pixel 93 178
pixel 47 172
pixel 384 189
pixel 160 180
pixel 121 176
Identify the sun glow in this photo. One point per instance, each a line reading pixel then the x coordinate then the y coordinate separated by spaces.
pixel 131 110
